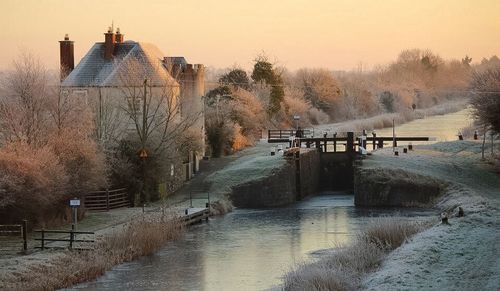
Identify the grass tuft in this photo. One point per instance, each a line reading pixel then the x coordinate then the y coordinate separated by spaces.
pixel 65 268
pixel 343 269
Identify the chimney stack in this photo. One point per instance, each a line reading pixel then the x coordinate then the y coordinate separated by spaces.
pixel 67 56
pixel 119 36
pixel 109 44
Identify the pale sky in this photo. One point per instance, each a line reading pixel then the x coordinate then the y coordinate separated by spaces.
pixel 334 34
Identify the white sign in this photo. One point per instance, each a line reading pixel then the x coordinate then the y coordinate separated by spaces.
pixel 74 202
pixel 296 117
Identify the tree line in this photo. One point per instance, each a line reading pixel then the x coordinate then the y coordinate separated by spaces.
pixel 270 95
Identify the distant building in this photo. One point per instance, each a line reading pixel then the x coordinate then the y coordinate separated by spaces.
pixel 97 78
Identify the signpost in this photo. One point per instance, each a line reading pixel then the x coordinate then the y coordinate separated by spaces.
pixel 75 203
pixel 296 118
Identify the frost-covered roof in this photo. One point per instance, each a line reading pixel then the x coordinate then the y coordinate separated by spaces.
pixel 95 70
pixel 176 60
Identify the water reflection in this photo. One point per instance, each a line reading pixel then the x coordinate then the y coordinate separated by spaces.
pixel 246 249
pixel 442 127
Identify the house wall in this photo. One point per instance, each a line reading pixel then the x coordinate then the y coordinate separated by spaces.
pixel 192 80
pixel 113 123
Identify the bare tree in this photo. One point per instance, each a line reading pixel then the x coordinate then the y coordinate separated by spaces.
pixel 23 115
pixel 486 102
pixel 156 122
pixel 486 98
pixel 153 105
pixel 109 120
pixel 47 151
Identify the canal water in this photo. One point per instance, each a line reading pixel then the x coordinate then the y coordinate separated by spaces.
pixel 251 249
pixel 441 127
pixel 248 249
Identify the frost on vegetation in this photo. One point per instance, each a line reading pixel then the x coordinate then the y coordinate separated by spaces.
pixel 462 255
pixel 459 256
pixel 455 147
pixel 343 269
pixel 243 170
pixel 50 270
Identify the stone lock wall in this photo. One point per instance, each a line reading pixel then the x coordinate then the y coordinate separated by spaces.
pixel 386 187
pixel 280 187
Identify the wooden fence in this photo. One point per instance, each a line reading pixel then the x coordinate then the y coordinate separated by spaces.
pixel 47 242
pixel 284 134
pixel 16 235
pixel 344 143
pixel 107 199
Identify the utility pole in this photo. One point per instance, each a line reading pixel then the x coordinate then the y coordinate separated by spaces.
pixel 143 154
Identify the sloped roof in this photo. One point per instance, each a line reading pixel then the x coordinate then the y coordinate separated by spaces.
pixel 143 58
pixel 175 60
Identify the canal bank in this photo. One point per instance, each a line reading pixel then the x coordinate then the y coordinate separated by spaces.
pixel 219 186
pixel 461 255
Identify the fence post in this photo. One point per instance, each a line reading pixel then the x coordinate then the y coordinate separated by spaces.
pixel 25 235
pixel 335 142
pixel 324 142
pixel 107 199
pixel 350 142
pixel 71 236
pixel 363 139
pixel 374 140
pixel 43 239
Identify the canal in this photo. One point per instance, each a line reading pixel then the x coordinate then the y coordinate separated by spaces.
pixel 248 249
pixel 251 249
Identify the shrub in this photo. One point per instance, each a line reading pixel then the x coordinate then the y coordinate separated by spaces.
pixel 32 184
pixel 220 137
pixel 388 234
pixel 81 160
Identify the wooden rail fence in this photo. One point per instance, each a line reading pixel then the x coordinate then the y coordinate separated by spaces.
pixel 285 134
pixel 334 143
pixel 16 230
pixel 72 239
pixel 107 199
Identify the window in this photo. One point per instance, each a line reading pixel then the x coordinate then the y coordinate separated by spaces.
pixel 83 94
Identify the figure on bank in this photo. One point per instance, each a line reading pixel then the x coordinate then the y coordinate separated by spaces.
pixel 299 133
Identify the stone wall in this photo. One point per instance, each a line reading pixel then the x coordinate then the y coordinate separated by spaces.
pixel 280 187
pixel 309 173
pixel 385 187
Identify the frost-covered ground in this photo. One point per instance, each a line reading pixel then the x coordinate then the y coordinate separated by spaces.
pixel 255 163
pixel 464 255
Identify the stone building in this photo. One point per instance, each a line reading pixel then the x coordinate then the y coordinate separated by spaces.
pixel 99 78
